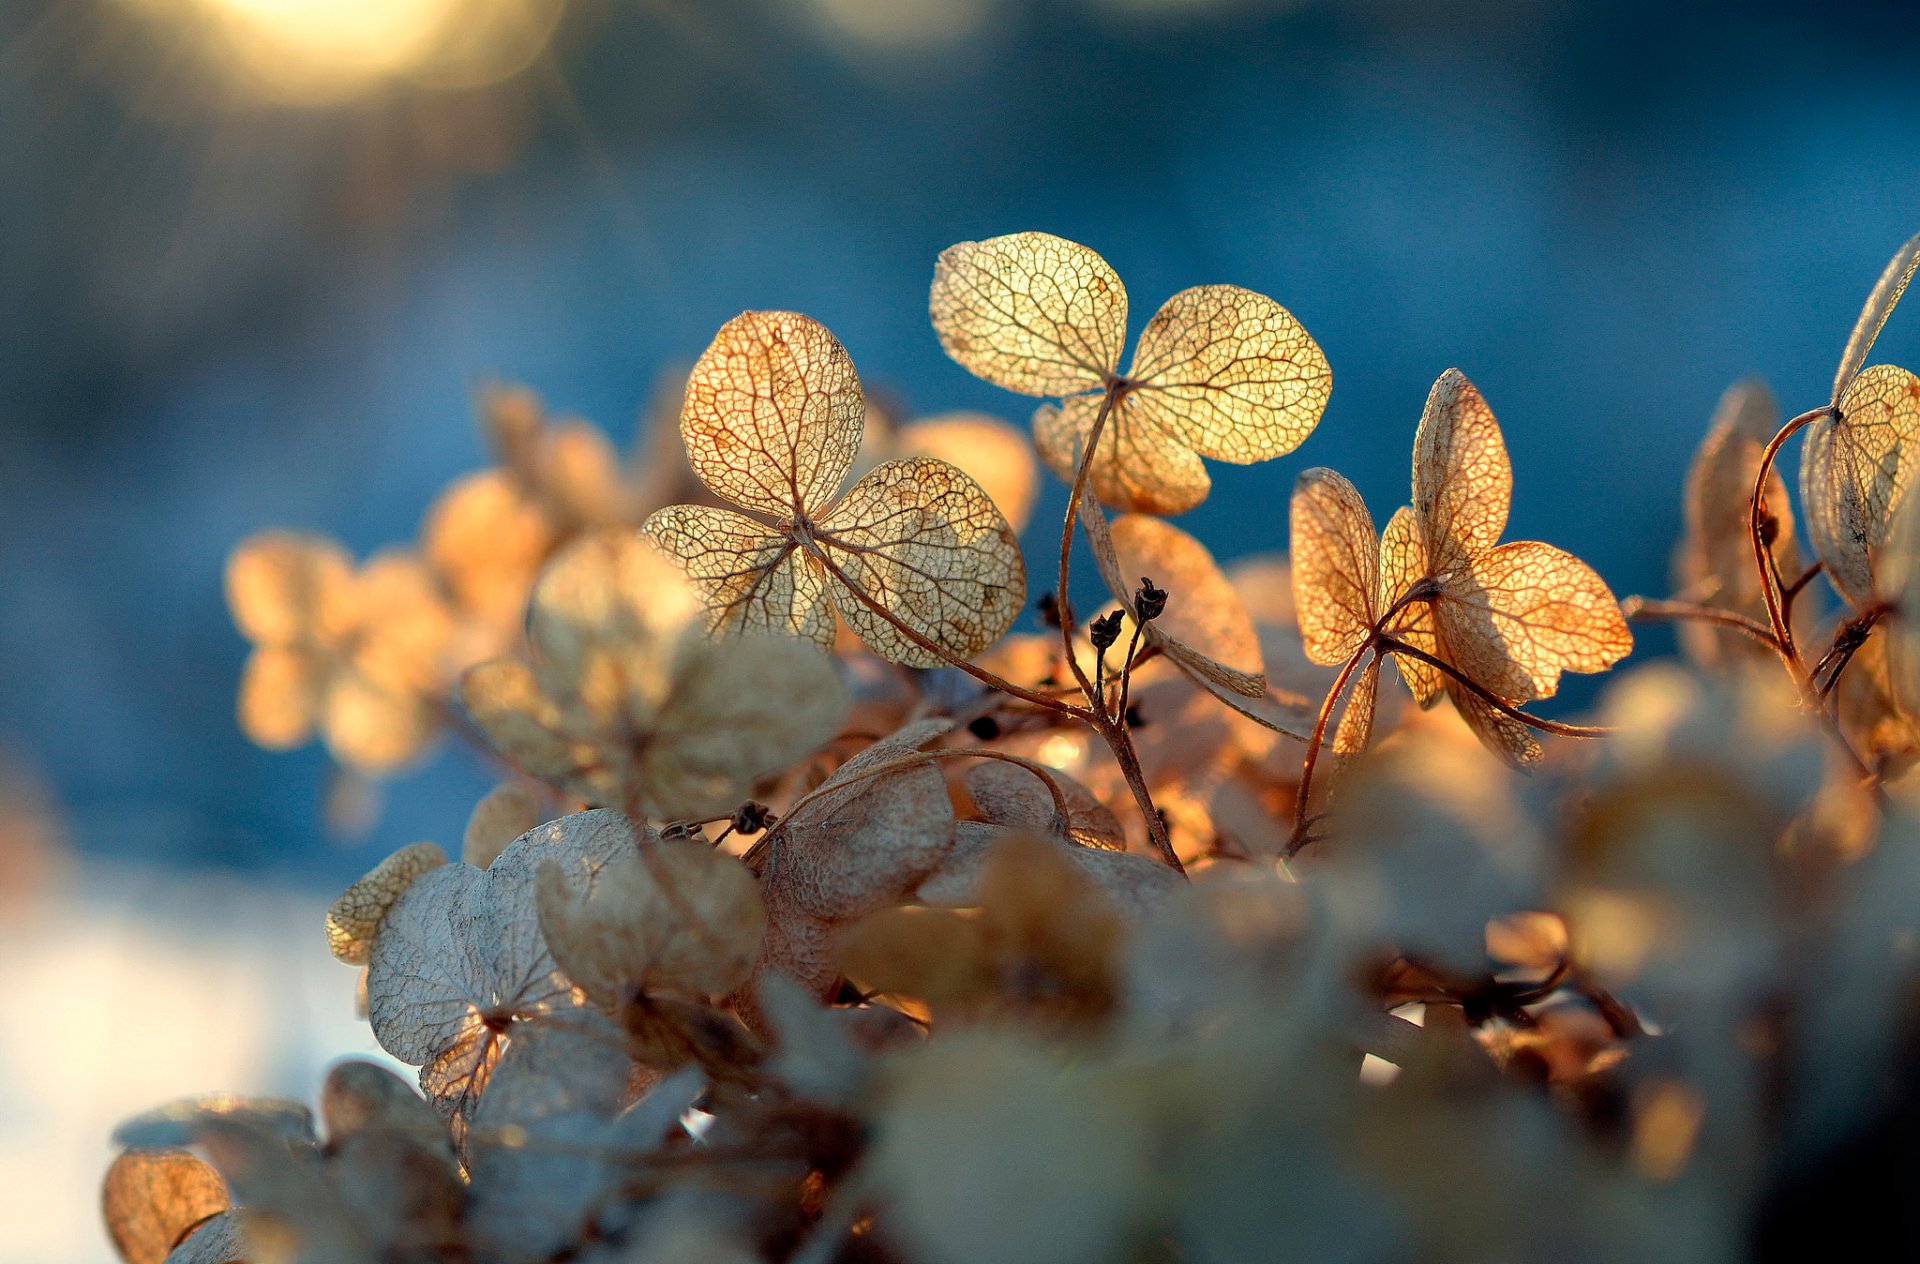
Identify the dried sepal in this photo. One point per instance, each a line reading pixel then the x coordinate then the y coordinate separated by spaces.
pixel 1855 471
pixel 181 1123
pixel 679 916
pixel 1714 562
pixel 364 1097
pixel 1008 794
pixel 1134 883
pixel 153 1199
pixel 1336 566
pixel 503 814
pixel 219 1239
pixel 1873 316
pixel 355 917
pixel 628 703
pixel 1030 312
pixel 774 429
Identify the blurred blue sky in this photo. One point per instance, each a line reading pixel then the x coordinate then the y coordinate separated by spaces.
pixel 220 318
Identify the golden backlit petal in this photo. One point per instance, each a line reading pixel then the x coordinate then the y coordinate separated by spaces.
pixel 1229 374
pixel 355 917
pixel 486 539
pixel 1335 565
pixel 752 581
pixel 739 710
pixel 506 812
pixel 1505 736
pixel 609 612
pixel 1137 468
pixel 580 474
pixel 1524 613
pixel 285 587
pixel 505 700
pixel 924 541
pixel 153 1199
pixel 1030 312
pixel 1351 739
pixel 1714 563
pixel 1462 481
pixel 1855 470
pixel 1204 614
pixel 1873 317
pixel 993 453
pixel 374 728
pixel 1403 562
pixel 280 692
pixel 773 414
pixel 406 628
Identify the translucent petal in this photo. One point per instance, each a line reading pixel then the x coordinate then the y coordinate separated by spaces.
pixel 739 709
pixel 286 586
pixel 1497 731
pixel 1525 612
pixel 505 700
pixel 1030 312
pixel 1008 794
pixel 1403 562
pixel 1462 481
pixel 926 543
pixel 376 728
pixel 1714 563
pixel 1873 317
pixel 1138 467
pixel 280 694
pixel 993 454
pixel 774 413
pixel 1855 470
pixel 506 812
pixel 1230 374
pixel 1351 739
pixel 753 580
pixel 355 917
pixel 153 1198
pixel 1336 566
pixel 1205 627
pixel 486 538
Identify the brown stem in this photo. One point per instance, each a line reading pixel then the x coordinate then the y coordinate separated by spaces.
pixel 1062 596
pixel 1319 736
pixel 1763 552
pixel 1847 642
pixel 1126 672
pixel 1555 727
pixel 1647 610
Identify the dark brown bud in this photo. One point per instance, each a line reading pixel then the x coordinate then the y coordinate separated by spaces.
pixel 751 817
pixel 1104 631
pixel 1049 607
pixel 1150 601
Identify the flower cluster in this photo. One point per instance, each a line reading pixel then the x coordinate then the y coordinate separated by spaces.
pixel 823 917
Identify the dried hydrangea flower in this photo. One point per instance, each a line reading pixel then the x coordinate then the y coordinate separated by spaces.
pixel 1509 617
pixel 355 917
pixel 1859 459
pixel 153 1199
pixel 656 934
pixel 772 423
pixel 358 654
pixel 1008 794
pixel 1218 371
pixel 628 703
pixel 460 965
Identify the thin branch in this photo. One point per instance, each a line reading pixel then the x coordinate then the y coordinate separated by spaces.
pixel 1649 610
pixel 1555 727
pixel 1062 595
pixel 1763 551
pixel 1314 742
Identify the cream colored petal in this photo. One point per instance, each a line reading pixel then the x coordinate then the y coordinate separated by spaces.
pixel 752 580
pixel 280 692
pixel 1855 470
pixel 1506 737
pixel 774 413
pixel 486 539
pixel 1355 734
pixel 1873 317
pixel 355 917
pixel 1230 374
pixel 505 700
pixel 1526 612
pixel 1462 481
pixel 1030 312
pixel 503 814
pixel 1403 562
pixel 993 453
pixel 1137 467
pixel 285 587
pixel 1335 564
pixel 580 474
pixel 923 541
pixel 739 710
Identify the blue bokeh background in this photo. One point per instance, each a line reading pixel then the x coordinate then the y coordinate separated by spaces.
pixel 213 322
